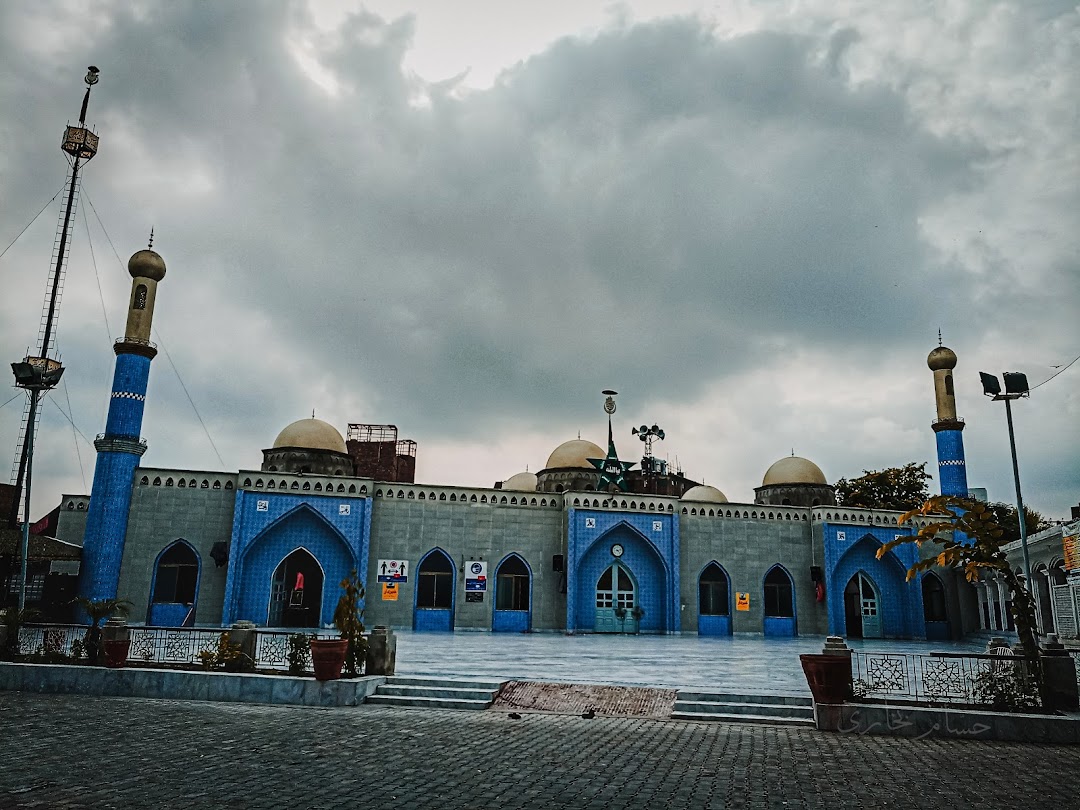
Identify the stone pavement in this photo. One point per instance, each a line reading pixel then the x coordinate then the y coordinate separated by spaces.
pixel 74 751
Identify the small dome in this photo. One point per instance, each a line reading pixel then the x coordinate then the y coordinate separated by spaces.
pixel 522 482
pixel 311 434
pixel 703 493
pixel 574 453
pixel 147 264
pixel 793 470
pixel 941 358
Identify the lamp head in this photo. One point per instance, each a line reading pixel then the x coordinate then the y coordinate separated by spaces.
pixel 990 384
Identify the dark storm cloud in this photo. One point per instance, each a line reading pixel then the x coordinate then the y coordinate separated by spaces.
pixel 654 208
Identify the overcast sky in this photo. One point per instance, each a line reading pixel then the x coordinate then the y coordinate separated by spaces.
pixel 468 218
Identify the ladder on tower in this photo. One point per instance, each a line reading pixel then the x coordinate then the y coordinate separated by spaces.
pixel 52 278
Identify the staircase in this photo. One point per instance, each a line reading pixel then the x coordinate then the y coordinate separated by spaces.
pixel 436 693
pixel 788 710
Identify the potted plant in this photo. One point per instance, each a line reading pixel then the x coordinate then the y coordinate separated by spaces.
pixel 329 656
pixel 829 677
pixel 117 639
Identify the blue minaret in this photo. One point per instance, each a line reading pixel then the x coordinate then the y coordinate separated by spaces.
pixel 952 469
pixel 120 448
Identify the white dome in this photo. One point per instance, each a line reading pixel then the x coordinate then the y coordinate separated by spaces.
pixel 522 482
pixel 793 470
pixel 311 434
pixel 703 493
pixel 574 453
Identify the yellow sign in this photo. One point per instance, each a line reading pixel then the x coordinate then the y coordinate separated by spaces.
pixel 389 591
pixel 742 601
pixel 1072 552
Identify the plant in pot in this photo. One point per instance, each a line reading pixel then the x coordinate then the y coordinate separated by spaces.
pixel 114 640
pixel 328 656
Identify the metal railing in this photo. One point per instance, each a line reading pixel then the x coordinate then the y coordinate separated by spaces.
pixel 955 678
pixel 161 645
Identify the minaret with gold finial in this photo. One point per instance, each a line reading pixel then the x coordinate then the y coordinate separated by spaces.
pixel 121 446
pixel 952 467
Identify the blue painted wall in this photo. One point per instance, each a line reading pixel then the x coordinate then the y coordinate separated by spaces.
pixel 651 543
pixel 262 539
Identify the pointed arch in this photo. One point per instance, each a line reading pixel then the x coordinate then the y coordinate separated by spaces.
pixel 174 586
pixel 778 602
pixel 434 596
pixel 512 611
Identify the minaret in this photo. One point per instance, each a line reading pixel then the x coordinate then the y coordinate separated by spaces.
pixel 952 469
pixel 120 448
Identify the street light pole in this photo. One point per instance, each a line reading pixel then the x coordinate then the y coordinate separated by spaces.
pixel 1016 386
pixel 1021 516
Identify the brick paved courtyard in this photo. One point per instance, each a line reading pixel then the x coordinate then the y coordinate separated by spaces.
pixel 74 751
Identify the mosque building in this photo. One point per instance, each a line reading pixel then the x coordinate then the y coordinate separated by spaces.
pixel 584 545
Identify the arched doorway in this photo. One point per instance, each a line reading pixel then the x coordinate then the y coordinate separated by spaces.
pixel 935 613
pixel 1043 599
pixel 862 607
pixel 296 592
pixel 513 596
pixel 435 586
pixel 616 601
pixel 714 601
pixel 176 585
pixel 778 594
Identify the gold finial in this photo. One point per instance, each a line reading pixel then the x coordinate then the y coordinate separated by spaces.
pixel 150 245
pixel 312 413
pixel 938 337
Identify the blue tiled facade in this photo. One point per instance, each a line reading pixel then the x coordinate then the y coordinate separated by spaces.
pixel 651 553
pixel 851 549
pixel 114 473
pixel 952 467
pixel 268 526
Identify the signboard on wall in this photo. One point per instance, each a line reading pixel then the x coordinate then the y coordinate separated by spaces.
pixel 393 571
pixel 1071 544
pixel 474 596
pixel 389 591
pixel 742 601
pixel 476 576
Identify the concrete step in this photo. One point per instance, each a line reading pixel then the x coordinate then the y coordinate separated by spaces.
pixel 450 683
pixel 729 697
pixel 436 693
pixel 710 707
pixel 758 719
pixel 470 693
pixel 427 702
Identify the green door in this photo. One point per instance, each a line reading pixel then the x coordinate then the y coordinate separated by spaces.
pixel 615 601
pixel 871 615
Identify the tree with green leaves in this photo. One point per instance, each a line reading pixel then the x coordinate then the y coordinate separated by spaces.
pixel 896 488
pixel 983 551
pixel 1005 517
pixel 349 620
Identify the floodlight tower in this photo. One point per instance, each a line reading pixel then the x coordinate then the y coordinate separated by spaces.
pixel 1016 386
pixel 39 373
pixel 649 465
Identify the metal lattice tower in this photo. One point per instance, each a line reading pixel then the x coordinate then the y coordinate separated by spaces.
pixel 80 144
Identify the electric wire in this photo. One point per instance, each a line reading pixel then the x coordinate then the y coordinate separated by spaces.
pixel 74 430
pixel 8 402
pixel 161 340
pixel 72 423
pixel 31 222
pixel 1063 368
pixel 97 276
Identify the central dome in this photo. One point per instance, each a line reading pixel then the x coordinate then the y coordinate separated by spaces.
pixel 574 453
pixel 793 470
pixel 311 434
pixel 703 493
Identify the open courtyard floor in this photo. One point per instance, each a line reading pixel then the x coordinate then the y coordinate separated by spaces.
pixel 76 751
pixel 742 664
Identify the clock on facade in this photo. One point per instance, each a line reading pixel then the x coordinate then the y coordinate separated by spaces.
pixel 617 550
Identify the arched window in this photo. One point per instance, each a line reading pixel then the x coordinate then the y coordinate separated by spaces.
pixel 435 582
pixel 713 592
pixel 779 594
pixel 177 576
pixel 512 585
pixel 140 297
pixel 933 596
